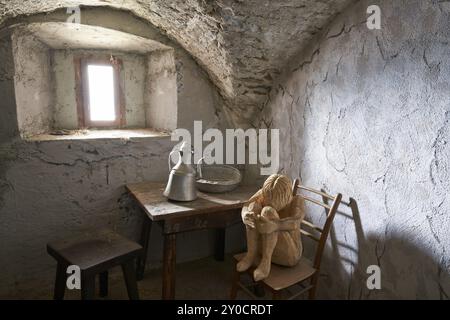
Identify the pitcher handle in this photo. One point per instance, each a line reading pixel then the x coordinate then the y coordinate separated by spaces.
pixel 170 160
pixel 199 167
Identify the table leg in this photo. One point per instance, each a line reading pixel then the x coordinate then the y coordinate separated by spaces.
pixel 219 245
pixel 145 238
pixel 169 261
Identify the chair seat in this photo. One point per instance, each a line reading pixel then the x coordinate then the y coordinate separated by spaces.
pixel 98 251
pixel 283 277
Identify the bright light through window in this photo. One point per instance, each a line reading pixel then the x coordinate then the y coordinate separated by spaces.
pixel 101 93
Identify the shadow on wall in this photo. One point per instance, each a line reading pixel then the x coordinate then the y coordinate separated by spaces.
pixel 407 270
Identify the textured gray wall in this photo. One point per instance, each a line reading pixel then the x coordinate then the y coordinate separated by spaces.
pixel 366 113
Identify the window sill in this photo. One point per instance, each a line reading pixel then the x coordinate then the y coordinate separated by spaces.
pixel 125 134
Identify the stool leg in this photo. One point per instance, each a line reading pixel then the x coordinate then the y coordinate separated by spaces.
pixel 103 281
pixel 60 281
pixel 129 273
pixel 87 287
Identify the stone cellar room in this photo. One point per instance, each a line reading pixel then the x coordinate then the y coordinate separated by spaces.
pixel 224 150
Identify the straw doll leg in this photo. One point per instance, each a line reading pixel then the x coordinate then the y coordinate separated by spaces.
pixel 252 250
pixel 269 241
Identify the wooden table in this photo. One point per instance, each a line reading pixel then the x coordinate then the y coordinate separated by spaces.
pixel 209 211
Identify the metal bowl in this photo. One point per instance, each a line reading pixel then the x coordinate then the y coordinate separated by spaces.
pixel 217 178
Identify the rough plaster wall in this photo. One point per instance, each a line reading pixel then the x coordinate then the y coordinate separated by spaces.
pixel 33 85
pixel 63 72
pixel 61 36
pixel 133 84
pixel 194 89
pixel 242 44
pixel 52 189
pixel 367 113
pixel 132 79
pixel 162 92
pixel 8 120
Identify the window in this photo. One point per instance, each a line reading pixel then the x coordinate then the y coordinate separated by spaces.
pixel 99 95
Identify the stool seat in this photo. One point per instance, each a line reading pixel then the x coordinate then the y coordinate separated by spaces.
pixel 95 254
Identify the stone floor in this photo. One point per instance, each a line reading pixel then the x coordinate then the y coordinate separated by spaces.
pixel 203 279
pixel 197 280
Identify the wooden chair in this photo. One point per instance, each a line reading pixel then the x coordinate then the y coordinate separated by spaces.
pixel 95 254
pixel 281 278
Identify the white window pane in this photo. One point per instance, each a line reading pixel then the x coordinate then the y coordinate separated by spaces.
pixel 101 93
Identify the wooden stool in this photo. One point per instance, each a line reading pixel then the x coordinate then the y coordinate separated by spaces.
pixel 95 255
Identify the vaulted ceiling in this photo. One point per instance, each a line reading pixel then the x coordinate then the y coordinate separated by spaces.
pixel 242 44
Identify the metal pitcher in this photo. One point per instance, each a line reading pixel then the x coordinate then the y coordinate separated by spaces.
pixel 181 184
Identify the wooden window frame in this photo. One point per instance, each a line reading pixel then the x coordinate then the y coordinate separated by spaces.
pixel 82 92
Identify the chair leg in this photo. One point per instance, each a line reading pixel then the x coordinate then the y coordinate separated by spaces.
pixel 276 295
pixel 60 282
pixel 129 273
pixel 259 291
pixel 234 285
pixel 103 281
pixel 87 287
pixel 312 292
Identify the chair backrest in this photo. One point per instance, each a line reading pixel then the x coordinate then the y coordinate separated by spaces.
pixel 331 212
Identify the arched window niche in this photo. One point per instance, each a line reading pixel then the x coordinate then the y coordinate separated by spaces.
pixel 72 78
